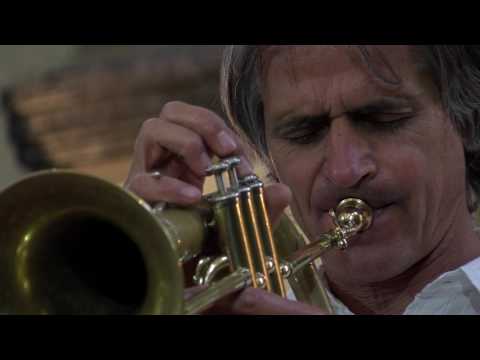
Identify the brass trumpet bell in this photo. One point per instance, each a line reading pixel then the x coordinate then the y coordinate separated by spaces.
pixel 75 244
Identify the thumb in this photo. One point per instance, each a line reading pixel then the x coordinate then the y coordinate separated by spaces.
pixel 277 198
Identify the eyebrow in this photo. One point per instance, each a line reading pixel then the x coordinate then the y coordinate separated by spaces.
pixel 298 122
pixel 383 104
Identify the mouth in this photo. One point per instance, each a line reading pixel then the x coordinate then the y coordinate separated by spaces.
pixel 378 212
pixel 380 216
pixel 379 223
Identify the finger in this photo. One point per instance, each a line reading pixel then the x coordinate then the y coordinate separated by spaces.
pixel 223 306
pixel 277 198
pixel 178 140
pixel 191 292
pixel 205 122
pixel 165 188
pixel 212 129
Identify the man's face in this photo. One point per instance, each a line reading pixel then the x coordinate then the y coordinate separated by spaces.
pixel 334 131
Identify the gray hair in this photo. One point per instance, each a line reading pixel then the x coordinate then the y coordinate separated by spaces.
pixel 454 69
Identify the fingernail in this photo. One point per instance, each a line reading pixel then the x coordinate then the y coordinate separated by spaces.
pixel 206 162
pixel 191 193
pixel 226 142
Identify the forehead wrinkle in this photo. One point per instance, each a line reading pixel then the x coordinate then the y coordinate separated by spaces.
pixel 291 68
pixel 365 85
pixel 274 52
pixel 292 59
pixel 370 58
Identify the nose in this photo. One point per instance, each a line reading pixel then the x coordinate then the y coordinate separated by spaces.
pixel 349 159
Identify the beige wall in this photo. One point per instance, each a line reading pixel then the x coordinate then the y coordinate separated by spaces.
pixel 22 63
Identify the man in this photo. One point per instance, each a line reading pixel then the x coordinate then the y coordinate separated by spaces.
pixel 396 126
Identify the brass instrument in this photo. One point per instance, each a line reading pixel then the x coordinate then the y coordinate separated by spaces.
pixel 76 244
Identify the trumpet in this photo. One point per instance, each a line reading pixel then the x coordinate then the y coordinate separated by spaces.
pixel 76 244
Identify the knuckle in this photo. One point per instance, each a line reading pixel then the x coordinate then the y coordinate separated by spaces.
pixel 210 128
pixel 171 108
pixel 191 148
pixel 147 127
pixel 133 184
pixel 145 130
pixel 208 118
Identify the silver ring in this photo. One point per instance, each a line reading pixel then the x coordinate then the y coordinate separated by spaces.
pixel 156 175
pixel 159 207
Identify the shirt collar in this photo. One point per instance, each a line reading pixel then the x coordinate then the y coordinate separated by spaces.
pixel 455 292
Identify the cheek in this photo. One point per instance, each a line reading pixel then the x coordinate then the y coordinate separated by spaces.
pixel 404 167
pixel 438 162
pixel 296 170
pixel 428 171
pixel 291 167
pixel 449 175
pixel 297 173
pixel 415 160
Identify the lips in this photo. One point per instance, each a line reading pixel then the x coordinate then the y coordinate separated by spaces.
pixel 381 199
pixel 378 212
pixel 377 199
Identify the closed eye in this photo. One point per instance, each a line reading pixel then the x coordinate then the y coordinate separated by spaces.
pixel 385 121
pixel 303 131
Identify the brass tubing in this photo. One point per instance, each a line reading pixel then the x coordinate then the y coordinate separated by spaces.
pixel 234 282
pixel 254 232
pixel 266 231
pixel 311 252
pixel 233 233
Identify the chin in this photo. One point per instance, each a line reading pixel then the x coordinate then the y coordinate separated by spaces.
pixel 379 254
pixel 369 261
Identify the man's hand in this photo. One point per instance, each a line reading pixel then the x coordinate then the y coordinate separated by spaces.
pixel 257 302
pixel 178 146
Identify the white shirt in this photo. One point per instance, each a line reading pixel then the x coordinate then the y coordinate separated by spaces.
pixel 453 293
